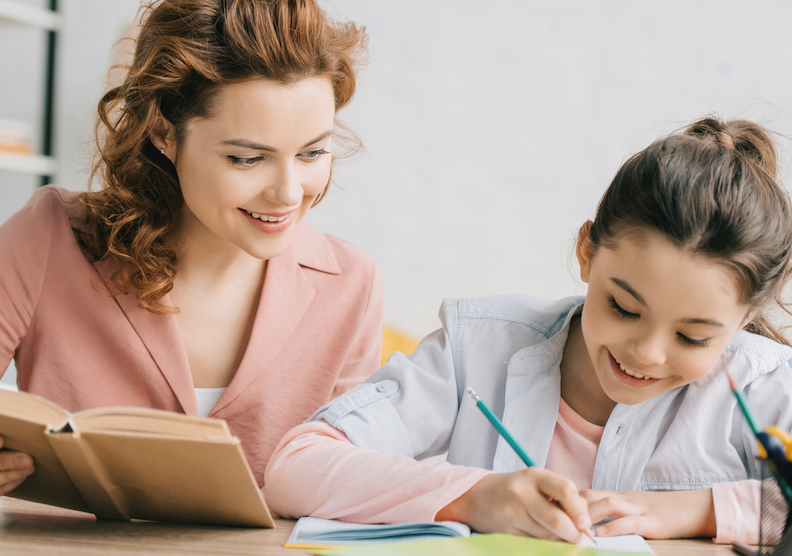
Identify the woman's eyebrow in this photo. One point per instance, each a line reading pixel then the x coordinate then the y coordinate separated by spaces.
pixel 626 287
pixel 247 144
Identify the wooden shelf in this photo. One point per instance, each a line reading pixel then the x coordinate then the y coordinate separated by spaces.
pixel 27 15
pixel 28 164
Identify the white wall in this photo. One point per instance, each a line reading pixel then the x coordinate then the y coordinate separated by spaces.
pixel 491 128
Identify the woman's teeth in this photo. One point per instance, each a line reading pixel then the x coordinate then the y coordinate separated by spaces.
pixel 266 218
pixel 632 373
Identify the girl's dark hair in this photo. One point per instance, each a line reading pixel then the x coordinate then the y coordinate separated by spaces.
pixel 712 190
pixel 185 51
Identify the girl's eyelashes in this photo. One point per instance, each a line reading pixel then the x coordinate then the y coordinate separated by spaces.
pixel 616 307
pixel 245 162
pixel 691 342
pixel 628 315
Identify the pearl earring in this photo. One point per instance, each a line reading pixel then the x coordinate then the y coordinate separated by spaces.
pixel 162 151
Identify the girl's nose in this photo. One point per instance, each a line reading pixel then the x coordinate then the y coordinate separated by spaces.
pixel 648 349
pixel 285 189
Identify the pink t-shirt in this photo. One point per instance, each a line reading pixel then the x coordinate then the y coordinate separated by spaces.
pixel 317 471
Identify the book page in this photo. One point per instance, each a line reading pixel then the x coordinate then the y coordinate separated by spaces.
pixel 23 421
pixel 32 408
pixel 137 420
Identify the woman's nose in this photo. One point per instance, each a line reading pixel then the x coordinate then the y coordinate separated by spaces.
pixel 285 189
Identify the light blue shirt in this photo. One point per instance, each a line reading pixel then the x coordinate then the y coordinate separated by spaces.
pixel 509 349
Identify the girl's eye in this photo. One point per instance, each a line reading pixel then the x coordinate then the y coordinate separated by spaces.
pixel 691 342
pixel 312 155
pixel 616 307
pixel 244 161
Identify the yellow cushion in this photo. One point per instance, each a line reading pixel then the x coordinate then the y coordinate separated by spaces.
pixel 394 341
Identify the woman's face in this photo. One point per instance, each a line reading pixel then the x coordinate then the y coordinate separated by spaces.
pixel 251 171
pixel 655 316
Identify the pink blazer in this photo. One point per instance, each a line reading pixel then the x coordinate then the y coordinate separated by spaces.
pixel 317 332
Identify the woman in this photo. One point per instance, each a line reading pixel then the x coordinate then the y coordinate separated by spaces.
pixel 188 282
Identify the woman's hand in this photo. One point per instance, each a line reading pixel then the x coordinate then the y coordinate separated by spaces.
pixel 14 467
pixel 522 503
pixel 654 515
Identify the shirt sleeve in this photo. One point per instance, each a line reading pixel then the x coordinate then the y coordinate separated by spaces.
pixel 409 407
pixel 365 356
pixel 737 510
pixel 25 240
pixel 317 471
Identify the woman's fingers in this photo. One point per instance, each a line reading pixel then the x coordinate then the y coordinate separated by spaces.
pixel 14 467
pixel 8 487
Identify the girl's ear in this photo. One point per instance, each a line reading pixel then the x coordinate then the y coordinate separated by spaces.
pixel 748 318
pixel 584 251
pixel 162 136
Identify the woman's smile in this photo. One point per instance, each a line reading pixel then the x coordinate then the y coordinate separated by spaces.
pixel 271 223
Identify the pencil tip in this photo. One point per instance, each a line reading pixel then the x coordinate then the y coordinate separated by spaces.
pixel 732 382
pixel 468 390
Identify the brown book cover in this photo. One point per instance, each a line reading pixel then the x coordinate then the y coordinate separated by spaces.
pixel 132 463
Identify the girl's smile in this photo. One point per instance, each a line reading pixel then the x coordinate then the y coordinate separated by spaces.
pixel 629 376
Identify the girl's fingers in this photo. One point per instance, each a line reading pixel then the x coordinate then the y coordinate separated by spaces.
pixel 612 507
pixel 592 496
pixel 628 525
pixel 565 492
pixel 550 519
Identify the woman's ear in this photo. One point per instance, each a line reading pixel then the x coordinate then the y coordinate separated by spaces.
pixel 162 136
pixel 584 251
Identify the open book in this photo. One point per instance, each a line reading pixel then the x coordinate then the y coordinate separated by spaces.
pixel 329 535
pixel 132 463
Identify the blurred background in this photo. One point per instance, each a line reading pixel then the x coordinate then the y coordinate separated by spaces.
pixel 491 129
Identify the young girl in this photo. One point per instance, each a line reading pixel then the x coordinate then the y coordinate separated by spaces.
pixel 623 392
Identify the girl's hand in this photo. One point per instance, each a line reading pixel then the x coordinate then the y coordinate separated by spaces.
pixel 14 467
pixel 522 503
pixel 654 515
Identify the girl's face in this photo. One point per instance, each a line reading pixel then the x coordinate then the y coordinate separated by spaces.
pixel 251 171
pixel 655 316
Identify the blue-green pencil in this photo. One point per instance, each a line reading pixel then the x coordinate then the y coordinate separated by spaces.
pixel 492 418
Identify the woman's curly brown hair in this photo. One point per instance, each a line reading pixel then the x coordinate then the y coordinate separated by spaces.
pixel 186 50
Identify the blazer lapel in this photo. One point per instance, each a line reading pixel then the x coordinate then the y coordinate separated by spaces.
pixel 162 338
pixel 285 298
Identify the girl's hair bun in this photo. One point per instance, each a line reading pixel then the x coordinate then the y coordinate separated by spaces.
pixel 745 138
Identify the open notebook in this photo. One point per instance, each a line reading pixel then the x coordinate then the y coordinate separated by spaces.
pixel 315 533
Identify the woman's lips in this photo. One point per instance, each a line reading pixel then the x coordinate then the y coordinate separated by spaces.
pixel 270 227
pixel 627 379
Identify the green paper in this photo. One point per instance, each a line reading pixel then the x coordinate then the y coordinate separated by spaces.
pixel 477 545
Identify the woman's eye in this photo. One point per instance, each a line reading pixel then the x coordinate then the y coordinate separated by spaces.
pixel 244 161
pixel 311 155
pixel 691 342
pixel 616 307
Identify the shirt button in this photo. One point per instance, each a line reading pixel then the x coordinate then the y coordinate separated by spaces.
pixel 382 387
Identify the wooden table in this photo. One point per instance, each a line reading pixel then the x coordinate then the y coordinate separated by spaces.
pixel 30 529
